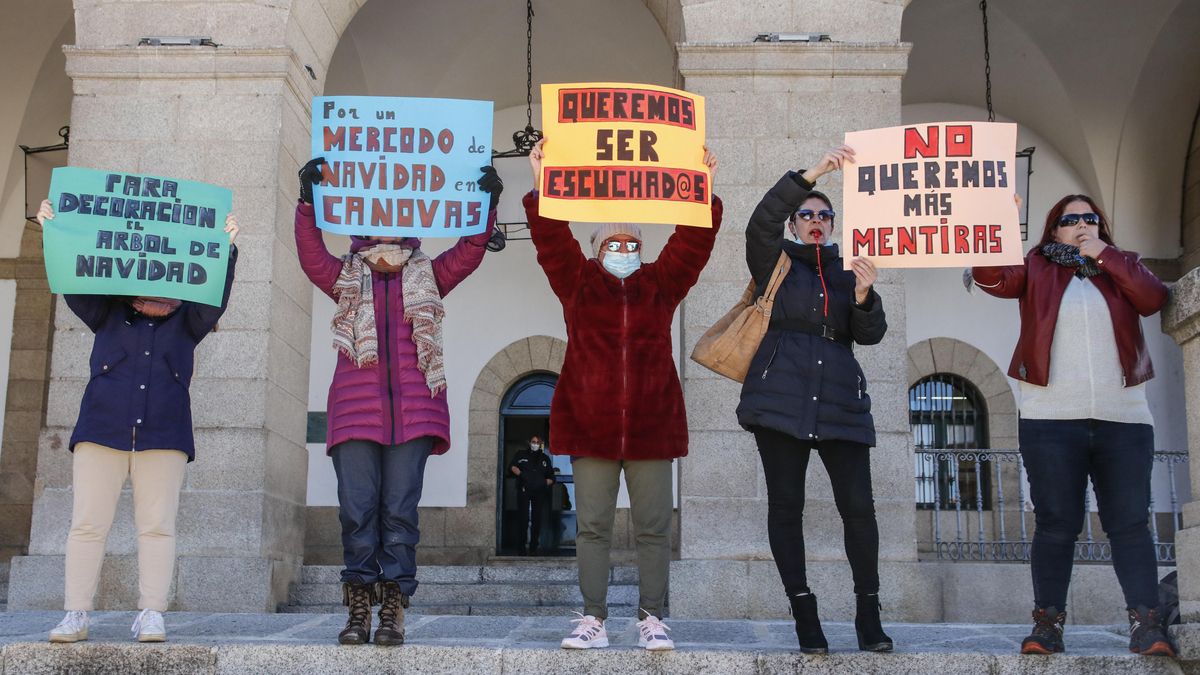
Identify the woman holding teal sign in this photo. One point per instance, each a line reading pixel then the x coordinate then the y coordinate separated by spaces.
pixel 387 403
pixel 135 422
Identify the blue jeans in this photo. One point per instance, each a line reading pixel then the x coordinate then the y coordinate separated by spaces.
pixel 1059 457
pixel 379 487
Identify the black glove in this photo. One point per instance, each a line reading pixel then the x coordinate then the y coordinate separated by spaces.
pixel 310 174
pixel 490 182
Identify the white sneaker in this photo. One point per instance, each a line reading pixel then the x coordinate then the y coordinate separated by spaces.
pixel 148 627
pixel 652 634
pixel 588 634
pixel 73 628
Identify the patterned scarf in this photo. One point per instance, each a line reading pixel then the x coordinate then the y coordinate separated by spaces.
pixel 1068 256
pixel 155 307
pixel 354 330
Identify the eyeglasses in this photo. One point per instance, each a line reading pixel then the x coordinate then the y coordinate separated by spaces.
pixel 1072 219
pixel 616 246
pixel 824 215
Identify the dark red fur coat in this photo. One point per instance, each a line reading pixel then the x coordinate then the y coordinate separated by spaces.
pixel 618 396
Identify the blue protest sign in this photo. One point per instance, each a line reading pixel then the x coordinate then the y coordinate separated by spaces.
pixel 401 167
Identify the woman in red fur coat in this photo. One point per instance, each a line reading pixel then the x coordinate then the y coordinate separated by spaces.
pixel 618 405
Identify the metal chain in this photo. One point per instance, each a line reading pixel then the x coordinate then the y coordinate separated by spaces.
pixel 987 61
pixel 529 63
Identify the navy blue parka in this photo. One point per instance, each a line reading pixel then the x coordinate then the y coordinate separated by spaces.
pixel 137 396
pixel 800 384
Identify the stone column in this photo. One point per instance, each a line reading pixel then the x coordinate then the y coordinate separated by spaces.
pixel 25 407
pixel 1181 320
pixel 774 107
pixel 225 116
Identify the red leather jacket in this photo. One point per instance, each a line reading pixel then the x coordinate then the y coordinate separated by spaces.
pixel 1128 287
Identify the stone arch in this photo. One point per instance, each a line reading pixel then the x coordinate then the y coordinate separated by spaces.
pixel 470 531
pixel 947 355
pixel 314 28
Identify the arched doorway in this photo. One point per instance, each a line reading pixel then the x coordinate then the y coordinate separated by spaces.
pixel 525 413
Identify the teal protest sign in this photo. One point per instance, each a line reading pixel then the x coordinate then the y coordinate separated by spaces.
pixel 401 167
pixel 124 234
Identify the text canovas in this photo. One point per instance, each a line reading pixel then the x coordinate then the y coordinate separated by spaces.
pixel 401 167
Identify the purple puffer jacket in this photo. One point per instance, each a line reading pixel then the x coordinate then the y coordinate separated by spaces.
pixel 388 403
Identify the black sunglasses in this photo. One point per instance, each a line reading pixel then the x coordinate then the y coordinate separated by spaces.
pixel 823 215
pixel 1072 219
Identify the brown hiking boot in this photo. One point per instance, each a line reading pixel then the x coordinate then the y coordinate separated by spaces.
pixel 391 615
pixel 358 598
pixel 1047 635
pixel 1146 633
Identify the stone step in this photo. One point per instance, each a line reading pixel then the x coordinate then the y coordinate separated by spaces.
pixel 212 644
pixel 564 611
pixel 463 574
pixel 511 594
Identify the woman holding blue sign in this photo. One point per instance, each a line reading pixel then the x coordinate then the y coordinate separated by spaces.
pixel 135 422
pixel 387 402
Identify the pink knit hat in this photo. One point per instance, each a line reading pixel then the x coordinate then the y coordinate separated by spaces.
pixel 603 232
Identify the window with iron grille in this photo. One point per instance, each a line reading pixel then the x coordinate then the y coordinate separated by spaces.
pixel 947 413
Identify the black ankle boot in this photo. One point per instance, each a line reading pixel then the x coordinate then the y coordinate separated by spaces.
pixel 808 624
pixel 867 626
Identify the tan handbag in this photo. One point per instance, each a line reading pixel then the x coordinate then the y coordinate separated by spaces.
pixel 727 347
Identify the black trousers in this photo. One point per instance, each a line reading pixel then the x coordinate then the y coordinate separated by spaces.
pixel 531 522
pixel 785 464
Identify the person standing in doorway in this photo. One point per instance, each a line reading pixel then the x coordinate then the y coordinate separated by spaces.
pixel 387 402
pixel 135 423
pixel 535 478
pixel 1082 364
pixel 805 392
pixel 618 406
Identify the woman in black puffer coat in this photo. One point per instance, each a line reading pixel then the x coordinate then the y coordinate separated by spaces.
pixel 805 391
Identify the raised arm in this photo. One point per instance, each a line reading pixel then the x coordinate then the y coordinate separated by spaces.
pixel 1007 281
pixel 91 309
pixel 201 318
pixel 1138 284
pixel 557 251
pixel 459 261
pixel 321 266
pixel 685 255
pixel 764 232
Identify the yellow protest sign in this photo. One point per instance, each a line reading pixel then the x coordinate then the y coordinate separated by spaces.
pixel 932 195
pixel 620 152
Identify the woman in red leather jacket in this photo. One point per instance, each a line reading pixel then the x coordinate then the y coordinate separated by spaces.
pixel 1082 364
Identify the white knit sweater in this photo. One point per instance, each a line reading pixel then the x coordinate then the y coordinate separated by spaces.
pixel 1086 381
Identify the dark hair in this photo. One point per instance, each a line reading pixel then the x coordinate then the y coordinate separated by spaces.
pixel 1056 212
pixel 817 194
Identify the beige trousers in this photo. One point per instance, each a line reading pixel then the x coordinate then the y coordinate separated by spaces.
pixel 99 476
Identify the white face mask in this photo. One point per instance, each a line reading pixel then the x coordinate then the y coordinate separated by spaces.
pixel 535 446
pixel 621 265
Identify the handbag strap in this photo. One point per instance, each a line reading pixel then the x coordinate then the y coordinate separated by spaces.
pixel 781 269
